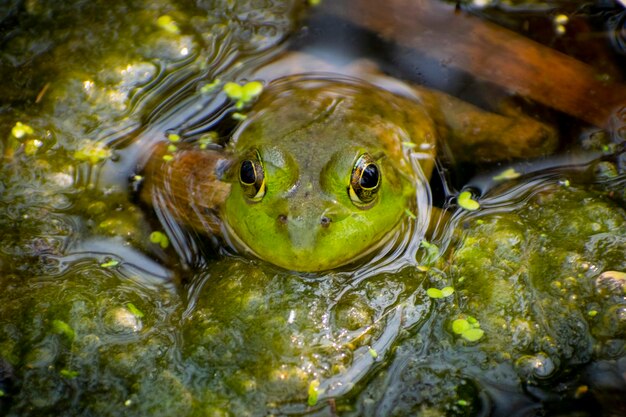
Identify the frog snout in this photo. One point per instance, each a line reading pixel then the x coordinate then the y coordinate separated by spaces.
pixel 304 227
pixel 324 220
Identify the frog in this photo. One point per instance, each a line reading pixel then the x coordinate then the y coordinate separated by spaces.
pixel 324 170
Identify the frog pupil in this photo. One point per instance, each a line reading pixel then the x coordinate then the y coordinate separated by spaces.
pixel 369 178
pixel 247 174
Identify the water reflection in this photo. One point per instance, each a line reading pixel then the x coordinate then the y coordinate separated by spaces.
pixel 96 319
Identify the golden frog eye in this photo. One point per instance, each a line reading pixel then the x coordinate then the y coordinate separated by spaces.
pixel 364 181
pixel 252 178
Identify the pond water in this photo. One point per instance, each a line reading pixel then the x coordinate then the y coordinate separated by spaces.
pixel 517 308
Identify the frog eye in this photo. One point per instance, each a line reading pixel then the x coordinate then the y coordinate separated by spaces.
pixel 252 178
pixel 364 181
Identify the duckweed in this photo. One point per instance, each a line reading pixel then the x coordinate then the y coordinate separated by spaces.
pixel 440 293
pixel 243 94
pixel 20 130
pixel 61 327
pixel 207 139
pixel 460 325
pixel 32 146
pixel 160 239
pixel 134 310
pixel 507 174
pixel 473 335
pixel 434 293
pixel 210 87
pixel 92 152
pixel 432 251
pixel 447 291
pixel 215 343
pixel 110 264
pixel 468 328
pixel 466 201
pixel 313 393
pixel 168 24
pixel 68 373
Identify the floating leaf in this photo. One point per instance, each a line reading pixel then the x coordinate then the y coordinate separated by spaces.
pixel 160 238
pixel 173 137
pixel 432 251
pixel 207 88
pixel 251 90
pixel 134 310
pixel 20 130
pixel 233 90
pixel 507 174
pixel 465 201
pixel 168 24
pixel 472 335
pixel 61 327
pixel 31 146
pixel 68 373
pixel 434 293
pixel 206 139
pixel 561 19
pixel 447 291
pixel 92 152
pixel 313 392
pixel 110 264
pixel 243 94
pixel 460 325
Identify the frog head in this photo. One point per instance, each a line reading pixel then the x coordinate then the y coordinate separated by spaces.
pixel 320 177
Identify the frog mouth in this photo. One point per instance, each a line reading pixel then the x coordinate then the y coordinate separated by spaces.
pixel 390 243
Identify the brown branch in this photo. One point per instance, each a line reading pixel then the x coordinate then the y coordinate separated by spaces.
pixel 490 52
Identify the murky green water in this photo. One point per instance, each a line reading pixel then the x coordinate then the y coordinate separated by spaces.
pixel 95 319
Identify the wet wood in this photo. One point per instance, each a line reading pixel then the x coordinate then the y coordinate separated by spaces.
pixel 475 135
pixel 492 53
pixel 188 187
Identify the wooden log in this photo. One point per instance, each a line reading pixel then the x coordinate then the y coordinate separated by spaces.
pixel 492 53
pixel 187 187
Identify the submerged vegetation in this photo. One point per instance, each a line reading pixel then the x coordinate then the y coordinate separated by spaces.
pixel 516 307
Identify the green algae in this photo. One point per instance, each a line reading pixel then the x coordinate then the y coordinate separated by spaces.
pixel 85 336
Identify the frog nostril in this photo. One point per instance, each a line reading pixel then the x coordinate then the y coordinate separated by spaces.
pixel 282 219
pixel 325 221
